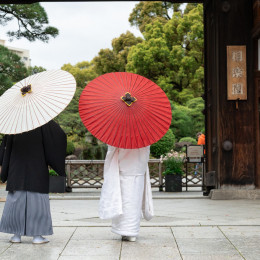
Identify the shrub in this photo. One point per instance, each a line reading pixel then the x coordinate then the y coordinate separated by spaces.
pixel 94 152
pixel 164 145
pixel 181 122
pixel 53 173
pixel 196 106
pixel 188 139
pixel 70 148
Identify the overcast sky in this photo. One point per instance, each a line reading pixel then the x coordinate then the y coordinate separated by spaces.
pixel 84 29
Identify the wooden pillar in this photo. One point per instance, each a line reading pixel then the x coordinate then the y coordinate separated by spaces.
pixel 228 23
pixel 256 39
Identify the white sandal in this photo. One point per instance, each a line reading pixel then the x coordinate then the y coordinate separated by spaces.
pixel 15 239
pixel 40 240
pixel 128 238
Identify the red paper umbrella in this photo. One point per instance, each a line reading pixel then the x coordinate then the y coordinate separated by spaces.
pixel 125 110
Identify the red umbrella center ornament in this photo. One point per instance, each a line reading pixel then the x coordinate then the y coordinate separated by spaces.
pixel 125 110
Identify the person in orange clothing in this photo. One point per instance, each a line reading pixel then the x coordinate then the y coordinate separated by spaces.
pixel 201 141
pixel 201 138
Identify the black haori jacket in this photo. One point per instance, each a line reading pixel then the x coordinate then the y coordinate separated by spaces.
pixel 25 158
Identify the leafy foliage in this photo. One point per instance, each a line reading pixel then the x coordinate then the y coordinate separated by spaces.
pixel 11 69
pixel 164 145
pixel 173 163
pixel 35 70
pixel 146 12
pixel 53 173
pixel 188 120
pixel 115 60
pixel 172 54
pixel 31 19
pixel 188 139
pixel 94 151
pixel 69 119
pixel 196 107
pixel 181 122
pixel 70 148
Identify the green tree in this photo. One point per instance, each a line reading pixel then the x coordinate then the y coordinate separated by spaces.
pixel 189 7
pixel 106 62
pixel 115 60
pixel 181 122
pixel 70 148
pixel 35 69
pixel 31 20
pixel 164 145
pixel 196 106
pixel 188 120
pixel 122 45
pixel 151 57
pixel 93 149
pixel 185 38
pixel 172 54
pixel 11 69
pixel 69 119
pixel 188 139
pixel 146 12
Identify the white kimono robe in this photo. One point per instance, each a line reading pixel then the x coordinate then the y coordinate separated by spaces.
pixel 126 193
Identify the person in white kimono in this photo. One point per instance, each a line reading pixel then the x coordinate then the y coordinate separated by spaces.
pixel 126 194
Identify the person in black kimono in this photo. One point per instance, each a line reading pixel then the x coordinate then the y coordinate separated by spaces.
pixel 24 161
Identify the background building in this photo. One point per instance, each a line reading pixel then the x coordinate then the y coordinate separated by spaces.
pixel 24 54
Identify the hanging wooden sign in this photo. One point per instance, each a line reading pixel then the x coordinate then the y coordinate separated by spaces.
pixel 236 73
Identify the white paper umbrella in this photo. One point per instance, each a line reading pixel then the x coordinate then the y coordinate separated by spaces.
pixel 35 100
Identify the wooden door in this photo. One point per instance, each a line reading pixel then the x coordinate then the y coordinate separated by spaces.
pixel 229 23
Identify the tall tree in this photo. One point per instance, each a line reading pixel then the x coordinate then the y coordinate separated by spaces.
pixel 107 61
pixel 35 69
pixel 146 12
pixel 188 120
pixel 151 57
pixel 69 119
pixel 31 20
pixel 172 54
pixel 189 7
pixel 196 107
pixel 181 122
pixel 11 69
pixel 116 59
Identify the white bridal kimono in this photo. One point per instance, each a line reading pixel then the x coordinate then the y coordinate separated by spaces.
pixel 126 194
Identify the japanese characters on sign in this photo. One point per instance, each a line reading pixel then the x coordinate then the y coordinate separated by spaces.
pixel 236 73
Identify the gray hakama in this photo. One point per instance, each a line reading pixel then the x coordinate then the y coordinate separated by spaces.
pixel 27 214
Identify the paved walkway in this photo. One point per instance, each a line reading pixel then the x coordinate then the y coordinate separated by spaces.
pixel 185 226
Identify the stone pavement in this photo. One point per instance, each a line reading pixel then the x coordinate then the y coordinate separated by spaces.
pixel 185 226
